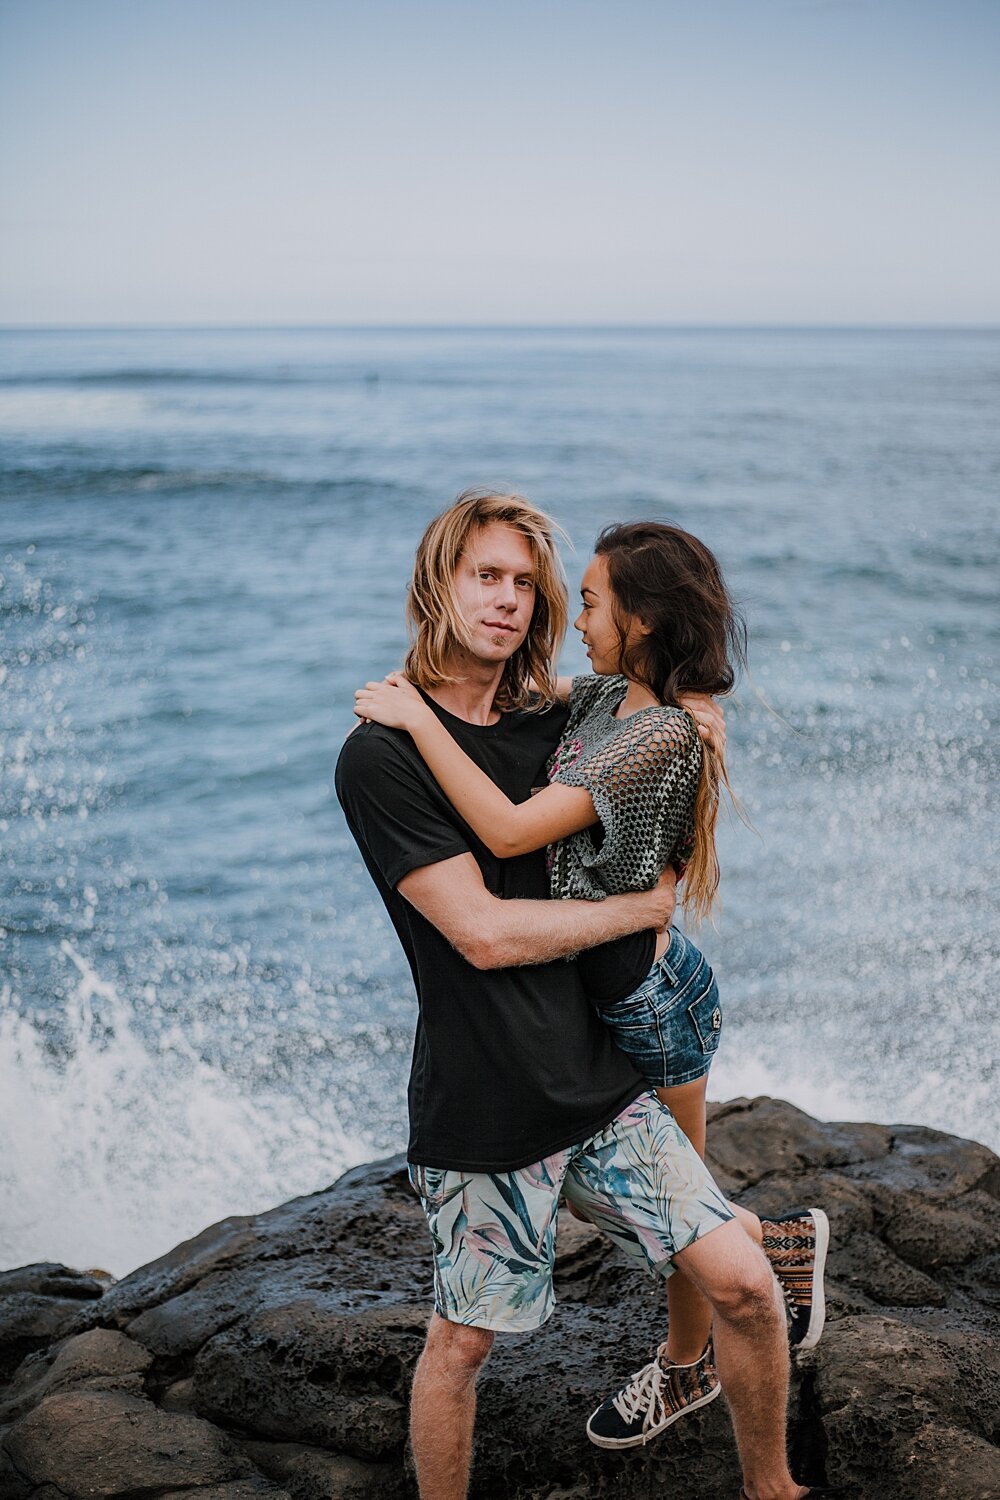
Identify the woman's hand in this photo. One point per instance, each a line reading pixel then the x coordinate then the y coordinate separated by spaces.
pixel 393 702
pixel 708 716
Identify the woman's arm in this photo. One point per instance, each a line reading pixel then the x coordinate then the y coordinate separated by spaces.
pixel 563 688
pixel 506 828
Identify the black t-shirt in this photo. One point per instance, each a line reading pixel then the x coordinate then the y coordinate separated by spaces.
pixel 509 1065
pixel 613 970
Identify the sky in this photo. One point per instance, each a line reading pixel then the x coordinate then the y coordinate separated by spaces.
pixel 499 161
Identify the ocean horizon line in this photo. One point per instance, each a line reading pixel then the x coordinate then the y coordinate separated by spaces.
pixel 459 327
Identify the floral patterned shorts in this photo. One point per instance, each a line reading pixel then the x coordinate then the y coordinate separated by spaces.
pixel 639 1180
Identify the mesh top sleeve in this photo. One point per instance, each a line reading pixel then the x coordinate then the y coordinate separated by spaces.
pixel 642 773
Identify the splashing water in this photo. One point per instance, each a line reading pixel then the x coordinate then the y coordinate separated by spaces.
pixel 124 1149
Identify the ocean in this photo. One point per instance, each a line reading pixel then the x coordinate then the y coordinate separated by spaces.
pixel 205 539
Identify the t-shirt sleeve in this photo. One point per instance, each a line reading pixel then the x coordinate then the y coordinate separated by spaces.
pixel 643 782
pixel 392 811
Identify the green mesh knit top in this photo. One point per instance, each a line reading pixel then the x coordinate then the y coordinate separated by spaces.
pixel 642 773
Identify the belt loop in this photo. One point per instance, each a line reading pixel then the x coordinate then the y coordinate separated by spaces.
pixel 665 970
pixel 663 965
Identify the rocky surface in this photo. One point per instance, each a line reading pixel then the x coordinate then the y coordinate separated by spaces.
pixel 271 1356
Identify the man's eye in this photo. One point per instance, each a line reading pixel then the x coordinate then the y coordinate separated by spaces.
pixel 486 576
pixel 525 583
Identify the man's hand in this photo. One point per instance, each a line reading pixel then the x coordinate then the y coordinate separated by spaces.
pixel 663 900
pixel 709 717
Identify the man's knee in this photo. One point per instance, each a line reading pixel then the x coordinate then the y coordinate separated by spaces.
pixel 457 1349
pixel 750 1299
pixel 734 1275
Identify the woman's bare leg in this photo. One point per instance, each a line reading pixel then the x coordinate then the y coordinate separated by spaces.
pixel 689 1313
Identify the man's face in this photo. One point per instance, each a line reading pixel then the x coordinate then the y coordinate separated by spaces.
pixel 495 590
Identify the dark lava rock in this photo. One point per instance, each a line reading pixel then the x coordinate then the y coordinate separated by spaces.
pixel 272 1355
pixel 98 1359
pixel 35 1302
pixel 101 1444
pixel 317 1474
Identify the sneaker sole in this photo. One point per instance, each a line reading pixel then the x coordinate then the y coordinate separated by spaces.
pixel 817 1315
pixel 647 1437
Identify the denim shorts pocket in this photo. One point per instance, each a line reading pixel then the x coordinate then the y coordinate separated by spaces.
pixel 705 1015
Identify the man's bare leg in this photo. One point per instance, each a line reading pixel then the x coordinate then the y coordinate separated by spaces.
pixel 443 1407
pixel 689 1316
pixel 751 1349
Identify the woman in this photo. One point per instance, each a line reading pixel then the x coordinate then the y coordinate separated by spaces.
pixel 632 790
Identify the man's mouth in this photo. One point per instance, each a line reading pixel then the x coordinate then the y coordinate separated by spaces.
pixel 499 625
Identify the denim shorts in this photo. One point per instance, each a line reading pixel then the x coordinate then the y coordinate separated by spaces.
pixel 669 1027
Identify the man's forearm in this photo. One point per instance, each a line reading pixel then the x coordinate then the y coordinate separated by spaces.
pixel 534 932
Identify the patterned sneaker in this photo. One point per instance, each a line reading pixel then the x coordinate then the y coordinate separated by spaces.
pixel 796 1247
pixel 654 1398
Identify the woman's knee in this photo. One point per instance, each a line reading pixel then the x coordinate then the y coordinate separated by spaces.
pixel 748 1222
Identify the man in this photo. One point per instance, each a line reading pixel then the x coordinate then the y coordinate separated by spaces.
pixel 516 1092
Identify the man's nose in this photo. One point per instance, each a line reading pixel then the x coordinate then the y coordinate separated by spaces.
pixel 506 594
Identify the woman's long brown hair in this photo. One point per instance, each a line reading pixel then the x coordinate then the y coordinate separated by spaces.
pixel 669 581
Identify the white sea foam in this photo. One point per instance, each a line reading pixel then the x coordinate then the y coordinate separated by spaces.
pixel 812 1084
pixel 118 1152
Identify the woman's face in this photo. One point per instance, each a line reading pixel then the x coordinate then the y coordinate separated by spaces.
pixel 596 622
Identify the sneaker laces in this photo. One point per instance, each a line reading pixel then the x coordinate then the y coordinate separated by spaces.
pixel 641 1393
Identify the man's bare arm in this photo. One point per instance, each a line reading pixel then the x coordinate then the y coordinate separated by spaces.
pixel 494 934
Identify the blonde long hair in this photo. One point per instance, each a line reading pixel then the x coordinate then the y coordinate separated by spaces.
pixel 435 621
